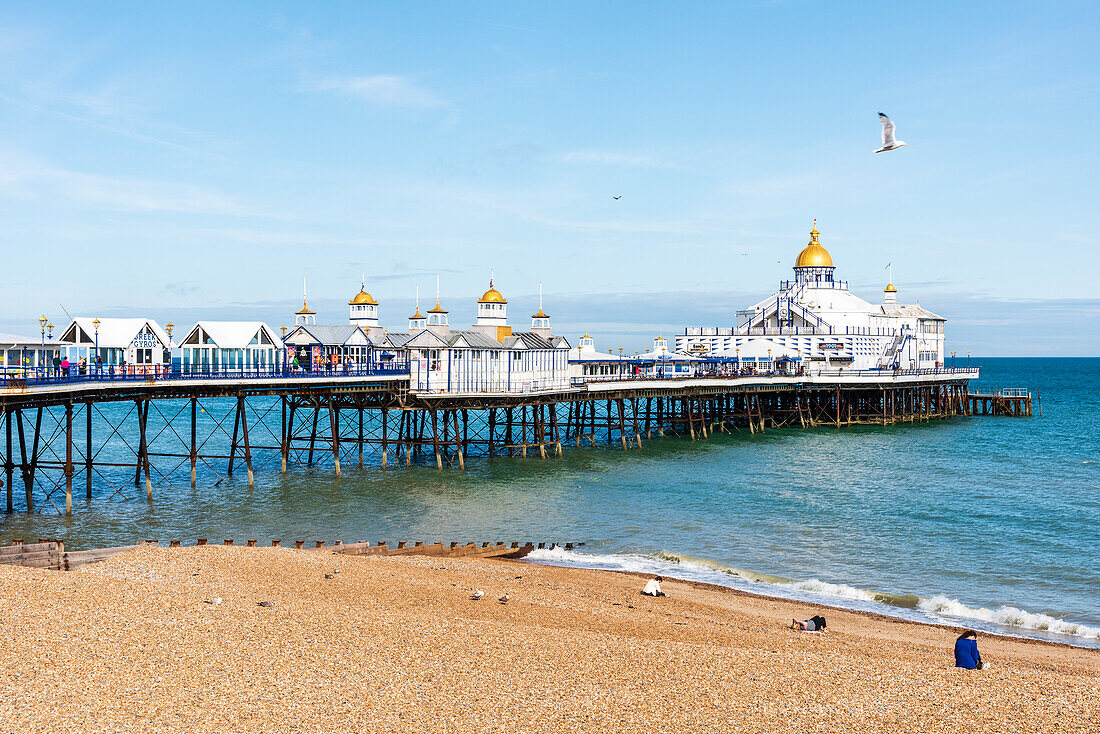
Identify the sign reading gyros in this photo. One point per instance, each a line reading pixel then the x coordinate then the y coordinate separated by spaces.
pixel 145 340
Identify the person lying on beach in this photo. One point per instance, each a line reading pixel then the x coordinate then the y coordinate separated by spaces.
pixel 966 651
pixel 813 624
pixel 653 587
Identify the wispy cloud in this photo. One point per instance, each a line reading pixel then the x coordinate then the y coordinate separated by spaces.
pixel 23 179
pixel 609 158
pixel 385 90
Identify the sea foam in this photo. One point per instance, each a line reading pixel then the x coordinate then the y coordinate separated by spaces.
pixel 936 610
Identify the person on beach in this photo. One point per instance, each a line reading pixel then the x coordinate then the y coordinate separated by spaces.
pixel 966 651
pixel 813 624
pixel 653 587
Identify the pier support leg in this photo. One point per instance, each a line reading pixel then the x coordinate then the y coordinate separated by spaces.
pixel 435 442
pixel 334 419
pixel 68 459
pixel 88 449
pixel 247 445
pixel 385 429
pixel 9 464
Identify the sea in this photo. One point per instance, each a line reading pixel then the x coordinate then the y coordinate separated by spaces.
pixel 985 522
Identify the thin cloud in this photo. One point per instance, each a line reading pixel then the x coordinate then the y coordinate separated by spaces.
pixel 608 158
pixel 27 179
pixel 384 90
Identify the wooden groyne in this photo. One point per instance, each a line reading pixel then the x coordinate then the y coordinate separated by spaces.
pixel 51 554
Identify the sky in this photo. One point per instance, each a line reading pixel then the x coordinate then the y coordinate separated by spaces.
pixel 198 160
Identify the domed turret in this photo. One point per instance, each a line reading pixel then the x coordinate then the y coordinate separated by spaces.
pixel 814 264
pixel 492 307
pixel 363 309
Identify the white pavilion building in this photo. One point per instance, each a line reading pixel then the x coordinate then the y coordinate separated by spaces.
pixel 815 319
pixel 487 357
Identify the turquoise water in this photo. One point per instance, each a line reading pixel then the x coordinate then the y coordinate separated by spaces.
pixel 987 522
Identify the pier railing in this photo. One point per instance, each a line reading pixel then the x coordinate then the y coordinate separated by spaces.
pixel 31 376
pixel 961 372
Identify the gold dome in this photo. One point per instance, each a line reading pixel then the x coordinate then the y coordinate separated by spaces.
pixel 814 255
pixel 438 308
pixel 890 288
pixel 492 295
pixel 417 314
pixel 305 310
pixel 362 298
pixel 540 314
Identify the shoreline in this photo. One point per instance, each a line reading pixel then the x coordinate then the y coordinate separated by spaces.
pixel 770 590
pixel 958 628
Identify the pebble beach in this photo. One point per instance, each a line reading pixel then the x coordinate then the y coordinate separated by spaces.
pixel 163 640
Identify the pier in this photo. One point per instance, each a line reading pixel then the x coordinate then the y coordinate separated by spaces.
pixel 120 438
pixel 1013 401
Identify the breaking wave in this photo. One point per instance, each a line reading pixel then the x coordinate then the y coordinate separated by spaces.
pixel 936 610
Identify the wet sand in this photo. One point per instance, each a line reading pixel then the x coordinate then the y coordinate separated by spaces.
pixel 395 644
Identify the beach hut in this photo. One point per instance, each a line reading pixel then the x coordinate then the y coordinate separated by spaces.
pixel 230 345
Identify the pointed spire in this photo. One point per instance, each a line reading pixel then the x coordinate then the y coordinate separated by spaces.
pixel 491 274
pixel 814 234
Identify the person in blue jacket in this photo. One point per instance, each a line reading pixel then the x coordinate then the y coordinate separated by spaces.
pixel 966 651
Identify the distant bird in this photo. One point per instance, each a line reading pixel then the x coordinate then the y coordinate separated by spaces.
pixel 888 142
pixel 616 198
pixel 476 596
pixel 504 599
pixel 744 253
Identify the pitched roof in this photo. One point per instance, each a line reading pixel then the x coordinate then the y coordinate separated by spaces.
pixel 329 335
pixel 116 333
pixel 234 334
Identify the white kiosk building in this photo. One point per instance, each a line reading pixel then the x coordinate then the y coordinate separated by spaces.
pixel 816 320
pixel 230 345
pixel 142 345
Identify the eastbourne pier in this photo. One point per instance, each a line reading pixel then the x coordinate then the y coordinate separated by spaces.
pixel 116 408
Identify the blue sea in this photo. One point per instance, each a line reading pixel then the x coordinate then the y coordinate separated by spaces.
pixel 992 523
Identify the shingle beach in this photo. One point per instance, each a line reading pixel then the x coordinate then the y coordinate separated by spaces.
pixel 140 643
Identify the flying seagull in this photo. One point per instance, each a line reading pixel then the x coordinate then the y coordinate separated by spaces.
pixel 616 198
pixel 476 596
pixel 888 142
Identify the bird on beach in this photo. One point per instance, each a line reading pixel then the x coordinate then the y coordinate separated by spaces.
pixel 476 596
pixel 504 599
pixel 888 141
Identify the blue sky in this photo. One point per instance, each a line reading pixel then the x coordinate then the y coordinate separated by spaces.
pixel 187 160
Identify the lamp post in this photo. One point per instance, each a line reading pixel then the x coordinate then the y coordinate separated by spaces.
pixel 42 321
pixel 620 361
pixel 282 362
pixel 95 325
pixel 168 327
pixel 952 359
pixel 771 367
pixel 968 359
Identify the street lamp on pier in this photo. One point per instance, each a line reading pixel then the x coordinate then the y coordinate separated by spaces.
pixel 95 325
pixel 42 321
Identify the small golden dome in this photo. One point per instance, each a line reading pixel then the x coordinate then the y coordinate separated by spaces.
pixel 540 314
pixel 890 288
pixel 814 255
pixel 304 310
pixel 492 295
pixel 437 308
pixel 362 298
pixel 417 314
